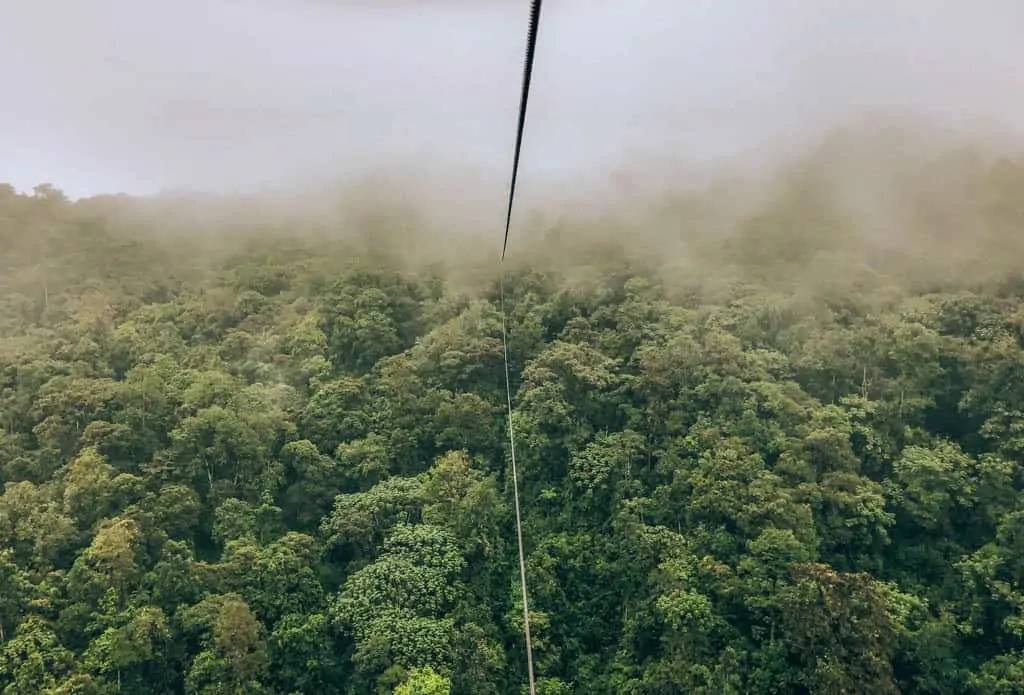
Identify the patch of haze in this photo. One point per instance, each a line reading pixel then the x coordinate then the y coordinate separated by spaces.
pixel 655 125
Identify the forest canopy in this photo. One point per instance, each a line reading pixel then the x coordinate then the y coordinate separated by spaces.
pixel 767 440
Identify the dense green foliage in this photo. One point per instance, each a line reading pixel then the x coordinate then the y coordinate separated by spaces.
pixel 281 467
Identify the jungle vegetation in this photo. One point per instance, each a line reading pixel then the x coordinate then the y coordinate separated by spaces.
pixel 768 444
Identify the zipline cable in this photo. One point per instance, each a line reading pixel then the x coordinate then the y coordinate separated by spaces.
pixel 531 45
pixel 524 98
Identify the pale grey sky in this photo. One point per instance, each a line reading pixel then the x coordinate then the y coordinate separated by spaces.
pixel 137 95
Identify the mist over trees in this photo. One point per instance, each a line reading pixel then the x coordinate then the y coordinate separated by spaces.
pixel 769 435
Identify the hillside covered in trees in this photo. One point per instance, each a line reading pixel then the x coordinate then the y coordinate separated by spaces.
pixel 766 447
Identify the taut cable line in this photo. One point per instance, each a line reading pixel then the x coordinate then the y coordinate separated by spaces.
pixel 531 45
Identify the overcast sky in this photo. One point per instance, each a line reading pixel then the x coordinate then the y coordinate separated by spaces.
pixel 138 95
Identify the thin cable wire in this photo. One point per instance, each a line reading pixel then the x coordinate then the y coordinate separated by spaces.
pixel 515 496
pixel 531 45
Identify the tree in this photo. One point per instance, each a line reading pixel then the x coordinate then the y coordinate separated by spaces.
pixel 398 607
pixel 33 659
pixel 425 681
pixel 233 655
